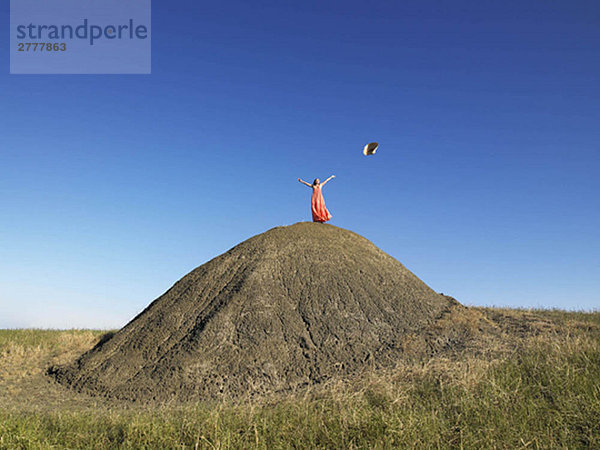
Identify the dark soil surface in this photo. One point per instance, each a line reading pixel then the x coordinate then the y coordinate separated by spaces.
pixel 282 311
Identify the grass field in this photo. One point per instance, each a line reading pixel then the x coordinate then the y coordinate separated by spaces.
pixel 537 385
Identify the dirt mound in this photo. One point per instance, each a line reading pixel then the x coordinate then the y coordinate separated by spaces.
pixel 286 309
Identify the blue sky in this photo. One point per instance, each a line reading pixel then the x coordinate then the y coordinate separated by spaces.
pixel 485 185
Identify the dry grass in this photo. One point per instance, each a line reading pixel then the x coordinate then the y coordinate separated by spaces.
pixel 25 356
pixel 495 378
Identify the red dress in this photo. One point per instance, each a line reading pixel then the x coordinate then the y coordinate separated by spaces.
pixel 317 202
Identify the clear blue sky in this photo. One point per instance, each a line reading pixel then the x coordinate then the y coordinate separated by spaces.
pixel 485 185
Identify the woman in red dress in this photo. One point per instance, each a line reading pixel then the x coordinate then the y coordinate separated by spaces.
pixel 317 202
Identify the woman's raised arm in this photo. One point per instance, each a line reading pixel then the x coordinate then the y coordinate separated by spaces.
pixel 323 183
pixel 304 182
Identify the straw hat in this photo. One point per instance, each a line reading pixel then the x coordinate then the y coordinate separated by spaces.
pixel 371 148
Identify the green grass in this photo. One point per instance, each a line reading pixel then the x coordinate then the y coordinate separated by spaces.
pixel 43 339
pixel 545 394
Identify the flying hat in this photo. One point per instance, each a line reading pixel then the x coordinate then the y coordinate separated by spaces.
pixel 370 149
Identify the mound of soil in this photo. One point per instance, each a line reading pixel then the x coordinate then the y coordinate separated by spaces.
pixel 286 309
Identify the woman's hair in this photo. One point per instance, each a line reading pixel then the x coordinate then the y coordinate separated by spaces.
pixel 316 181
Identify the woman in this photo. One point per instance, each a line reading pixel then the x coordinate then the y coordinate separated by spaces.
pixel 319 211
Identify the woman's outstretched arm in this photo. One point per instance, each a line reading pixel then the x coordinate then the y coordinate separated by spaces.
pixel 304 182
pixel 323 183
